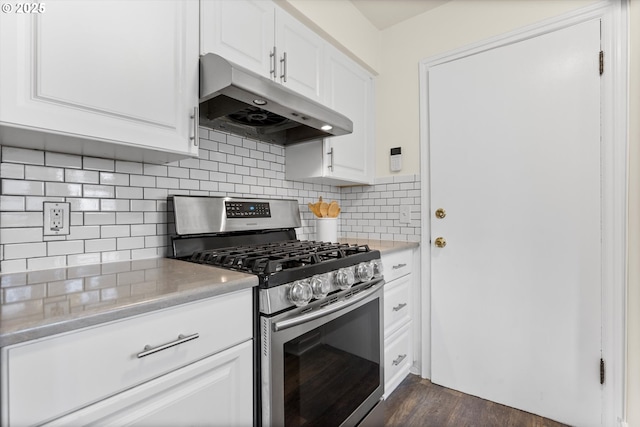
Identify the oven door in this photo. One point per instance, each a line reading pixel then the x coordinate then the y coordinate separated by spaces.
pixel 323 365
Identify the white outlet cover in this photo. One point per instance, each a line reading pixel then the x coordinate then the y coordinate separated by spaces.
pixel 405 214
pixel 48 207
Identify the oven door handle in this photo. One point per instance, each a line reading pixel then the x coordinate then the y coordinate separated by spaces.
pixel 331 308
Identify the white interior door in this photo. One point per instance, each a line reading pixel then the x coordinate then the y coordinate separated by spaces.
pixel 514 136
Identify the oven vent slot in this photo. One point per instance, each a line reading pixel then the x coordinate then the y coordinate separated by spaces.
pixel 329 301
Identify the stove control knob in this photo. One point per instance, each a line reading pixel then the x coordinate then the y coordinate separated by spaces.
pixel 364 271
pixel 300 293
pixel 377 268
pixel 345 278
pixel 320 286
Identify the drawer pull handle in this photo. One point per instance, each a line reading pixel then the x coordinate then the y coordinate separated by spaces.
pixel 399 359
pixel 400 306
pixel 181 338
pixel 397 266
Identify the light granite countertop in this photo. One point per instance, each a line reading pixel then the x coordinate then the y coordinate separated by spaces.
pixel 384 246
pixel 37 304
pixel 41 303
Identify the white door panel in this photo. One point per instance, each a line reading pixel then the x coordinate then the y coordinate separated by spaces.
pixel 515 161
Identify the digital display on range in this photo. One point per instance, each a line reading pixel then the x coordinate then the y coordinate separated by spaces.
pixel 247 209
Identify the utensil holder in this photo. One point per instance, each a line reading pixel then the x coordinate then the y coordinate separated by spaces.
pixel 327 230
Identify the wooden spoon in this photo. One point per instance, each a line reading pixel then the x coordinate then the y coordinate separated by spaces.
pixel 324 209
pixel 312 208
pixel 333 210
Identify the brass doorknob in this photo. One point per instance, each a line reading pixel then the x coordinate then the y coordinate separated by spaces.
pixel 441 213
pixel 440 242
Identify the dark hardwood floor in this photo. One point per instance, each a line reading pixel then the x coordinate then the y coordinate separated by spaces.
pixel 418 402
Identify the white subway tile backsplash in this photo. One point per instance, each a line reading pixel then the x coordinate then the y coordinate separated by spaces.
pixel 84 204
pixel 20 235
pixel 22 155
pixel 20 219
pixel 115 204
pixel 93 163
pixel 63 160
pixel 128 167
pixel 119 208
pixel 81 176
pixel 109 178
pixel 99 218
pixel 19 187
pixel 129 218
pixel 12 203
pixel 46 263
pixel 130 243
pixel 11 170
pixel 43 173
pixel 100 245
pixel 65 248
pixel 99 191
pixel 129 193
pixel 155 170
pixel 63 190
pixel 24 250
pixel 115 231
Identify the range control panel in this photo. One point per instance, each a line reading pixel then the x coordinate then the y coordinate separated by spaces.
pixel 247 209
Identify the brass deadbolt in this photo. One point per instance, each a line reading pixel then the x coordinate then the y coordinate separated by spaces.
pixel 440 242
pixel 441 213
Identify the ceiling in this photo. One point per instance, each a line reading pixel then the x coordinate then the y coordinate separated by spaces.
pixel 385 13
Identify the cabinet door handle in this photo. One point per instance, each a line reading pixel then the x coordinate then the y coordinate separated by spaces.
pixel 196 124
pixel 181 338
pixel 272 61
pixel 400 306
pixel 283 67
pixel 399 360
pixel 397 266
pixel 330 153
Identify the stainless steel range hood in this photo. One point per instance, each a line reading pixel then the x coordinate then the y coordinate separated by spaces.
pixel 234 99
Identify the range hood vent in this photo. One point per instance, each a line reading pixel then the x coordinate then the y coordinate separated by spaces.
pixel 236 100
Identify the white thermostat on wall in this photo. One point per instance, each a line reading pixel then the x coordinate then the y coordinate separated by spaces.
pixel 395 162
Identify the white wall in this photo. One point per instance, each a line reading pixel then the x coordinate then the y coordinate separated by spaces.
pixel 633 296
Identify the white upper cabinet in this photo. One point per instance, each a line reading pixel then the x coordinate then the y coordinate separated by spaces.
pixel 300 54
pixel 241 31
pixel 350 91
pixel 124 74
pixel 258 35
pixel 347 159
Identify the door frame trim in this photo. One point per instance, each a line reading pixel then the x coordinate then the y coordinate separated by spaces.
pixel 614 108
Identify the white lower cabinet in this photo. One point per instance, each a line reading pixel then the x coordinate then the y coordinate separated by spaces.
pixel 211 392
pixel 100 374
pixel 398 306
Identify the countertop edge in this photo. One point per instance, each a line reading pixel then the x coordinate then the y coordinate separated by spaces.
pixel 113 314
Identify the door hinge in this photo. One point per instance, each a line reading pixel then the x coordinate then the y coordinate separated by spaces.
pixel 601 62
pixel 601 371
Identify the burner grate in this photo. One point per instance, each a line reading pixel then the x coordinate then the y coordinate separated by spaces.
pixel 271 258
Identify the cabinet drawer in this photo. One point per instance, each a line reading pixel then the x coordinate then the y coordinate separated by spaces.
pixel 397 264
pixel 397 358
pixel 53 376
pixel 397 304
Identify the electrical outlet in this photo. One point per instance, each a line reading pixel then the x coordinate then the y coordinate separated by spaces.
pixel 405 214
pixel 56 218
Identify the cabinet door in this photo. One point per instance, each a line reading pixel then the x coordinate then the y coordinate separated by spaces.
pixel 350 92
pixel 300 54
pixel 216 391
pixel 118 72
pixel 241 31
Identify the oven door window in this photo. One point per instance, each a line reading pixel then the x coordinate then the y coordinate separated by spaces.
pixel 329 371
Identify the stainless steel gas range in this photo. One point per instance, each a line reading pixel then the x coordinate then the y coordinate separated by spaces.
pixel 319 327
